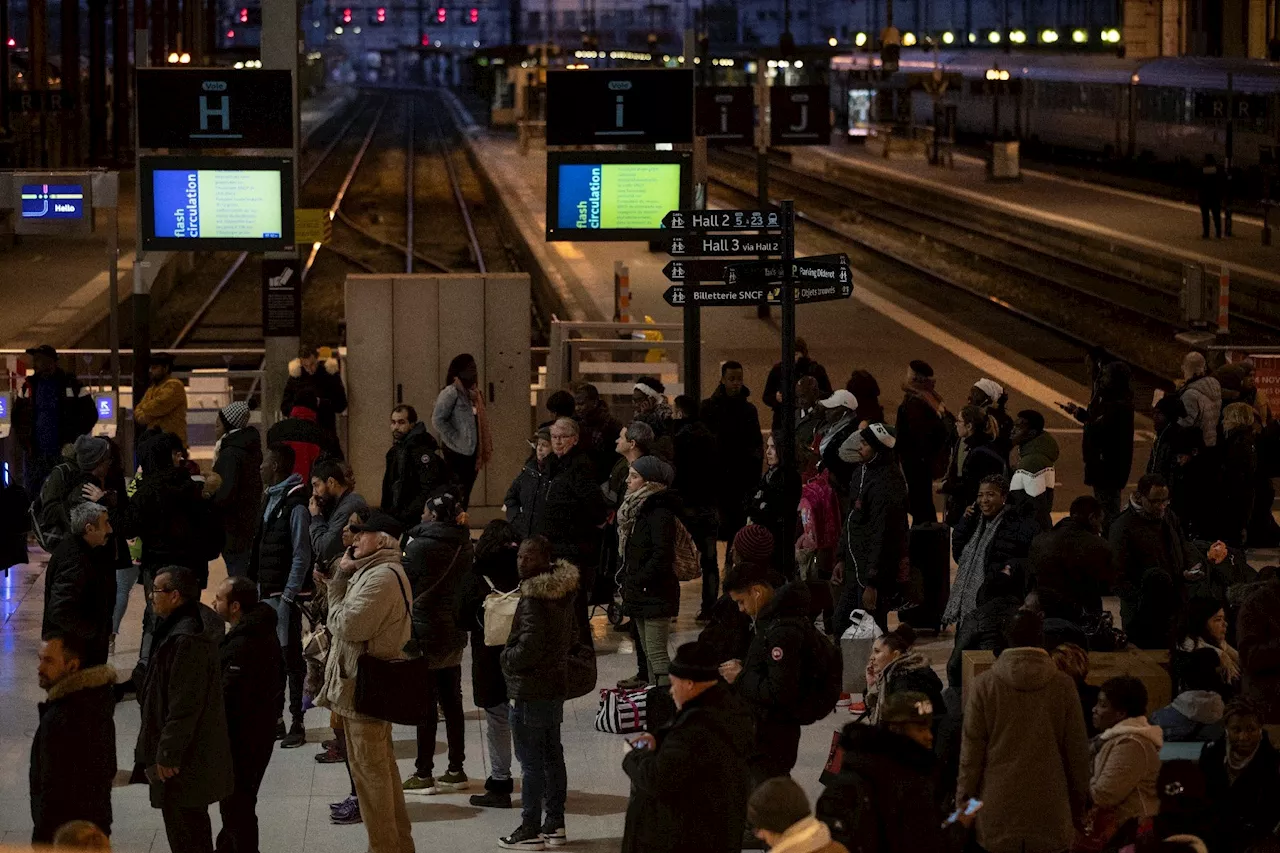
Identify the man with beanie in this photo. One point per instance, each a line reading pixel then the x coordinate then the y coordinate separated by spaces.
pixel 728 630
pixel 1034 477
pixel 237 461
pixel 778 812
pixel 923 440
pixel 875 533
pixel 889 771
pixel 82 480
pixel 689 780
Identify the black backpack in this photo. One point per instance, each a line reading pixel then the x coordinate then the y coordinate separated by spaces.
pixel 848 808
pixel 821 676
pixel 50 520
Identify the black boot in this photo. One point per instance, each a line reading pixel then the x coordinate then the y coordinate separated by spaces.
pixel 497 794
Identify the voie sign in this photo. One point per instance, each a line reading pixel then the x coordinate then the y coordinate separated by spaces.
pixel 619 107
pixel 198 108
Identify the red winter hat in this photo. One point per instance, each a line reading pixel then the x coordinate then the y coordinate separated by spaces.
pixel 753 544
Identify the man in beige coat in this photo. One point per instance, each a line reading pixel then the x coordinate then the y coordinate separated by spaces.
pixel 369 614
pixel 1025 753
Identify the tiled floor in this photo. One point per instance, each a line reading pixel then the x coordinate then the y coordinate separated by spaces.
pixel 293 808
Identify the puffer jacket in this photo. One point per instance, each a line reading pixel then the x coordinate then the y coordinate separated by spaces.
pixel 534 660
pixel 876 530
pixel 1202 398
pixel 1193 715
pixel 438 555
pixel 525 494
pixel 367 615
pixel 239 463
pixel 649 586
pixel 911 672
pixel 1009 546
pixel 1126 763
pixel 770 679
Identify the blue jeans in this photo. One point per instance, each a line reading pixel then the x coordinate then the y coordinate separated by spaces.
pixel 497 738
pixel 126 580
pixel 535 727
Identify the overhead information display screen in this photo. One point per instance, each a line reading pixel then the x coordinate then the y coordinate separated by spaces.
pixel 218 202
pixel 52 201
pixel 614 195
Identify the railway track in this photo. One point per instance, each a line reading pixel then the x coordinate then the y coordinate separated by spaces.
pixel 1132 316
pixel 399 199
pixel 903 266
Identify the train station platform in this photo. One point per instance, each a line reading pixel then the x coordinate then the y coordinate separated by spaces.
pixel 57 288
pixel 878 329
pixel 1159 226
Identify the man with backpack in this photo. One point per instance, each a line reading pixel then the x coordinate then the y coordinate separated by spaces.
pixel 792 674
pixel 74 481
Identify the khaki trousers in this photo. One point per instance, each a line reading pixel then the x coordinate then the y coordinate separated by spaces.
pixel 373 766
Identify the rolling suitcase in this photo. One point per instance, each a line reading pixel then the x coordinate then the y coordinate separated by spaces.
pixel 929 549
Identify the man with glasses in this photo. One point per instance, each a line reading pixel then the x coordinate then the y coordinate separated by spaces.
pixel 1147 537
pixel 571 513
pixel 183 744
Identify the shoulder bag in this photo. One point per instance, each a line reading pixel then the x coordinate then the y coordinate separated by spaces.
pixel 499 612
pixel 398 691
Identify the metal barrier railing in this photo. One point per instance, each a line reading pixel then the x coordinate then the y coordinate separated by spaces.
pixel 612 356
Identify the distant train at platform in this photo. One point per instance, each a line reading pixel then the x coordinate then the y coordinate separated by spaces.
pixel 1165 110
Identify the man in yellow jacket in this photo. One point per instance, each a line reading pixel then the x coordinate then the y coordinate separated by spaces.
pixel 165 403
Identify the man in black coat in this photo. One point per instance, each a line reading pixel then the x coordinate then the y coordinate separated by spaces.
pixel 600 428
pixel 769 680
pixel 73 754
pixel 1108 437
pixel 805 366
pixel 252 681
pixel 183 740
pixel 414 469
pixel 322 382
pixel 689 780
pixel 697 465
pixel 51 410
pixel 572 508
pixel 735 422
pixel 923 438
pixel 1146 536
pixel 874 538
pixel 238 462
pixel 80 584
pixel 1071 564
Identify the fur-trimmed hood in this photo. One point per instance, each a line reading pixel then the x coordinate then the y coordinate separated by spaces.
pixel 102 675
pixel 560 582
pixel 295 367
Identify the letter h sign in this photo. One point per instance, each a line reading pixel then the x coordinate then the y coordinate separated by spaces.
pixel 223 112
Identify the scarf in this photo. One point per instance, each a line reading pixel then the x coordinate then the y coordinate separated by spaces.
pixel 971 570
pixel 381 557
pixel 484 438
pixel 630 509
pixel 923 388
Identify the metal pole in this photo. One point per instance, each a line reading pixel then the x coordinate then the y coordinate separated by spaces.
pixel 4 67
pixel 787 451
pixel 1231 145
pixel 113 297
pixel 762 156
pixel 141 292
pixel 692 312
pixel 408 194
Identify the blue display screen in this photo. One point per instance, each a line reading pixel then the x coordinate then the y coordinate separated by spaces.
pixel 106 405
pixel 52 201
pixel 4 407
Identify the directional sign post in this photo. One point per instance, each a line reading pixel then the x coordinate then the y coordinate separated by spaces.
pixel 723 245
pixel 722 220
pixel 679 295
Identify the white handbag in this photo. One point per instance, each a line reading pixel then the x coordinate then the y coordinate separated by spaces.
pixel 499 612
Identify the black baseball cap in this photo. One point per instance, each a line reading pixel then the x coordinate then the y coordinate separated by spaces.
pixel 379 522
pixel 43 349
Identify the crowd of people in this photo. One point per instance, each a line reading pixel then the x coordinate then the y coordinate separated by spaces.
pixel 323 591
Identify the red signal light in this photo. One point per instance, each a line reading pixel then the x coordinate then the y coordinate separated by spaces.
pixel 442 15
pixel 381 15
pixel 473 15
pixel 346 16
pixel 244 16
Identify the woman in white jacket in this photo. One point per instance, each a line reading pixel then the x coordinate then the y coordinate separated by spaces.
pixel 1126 757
